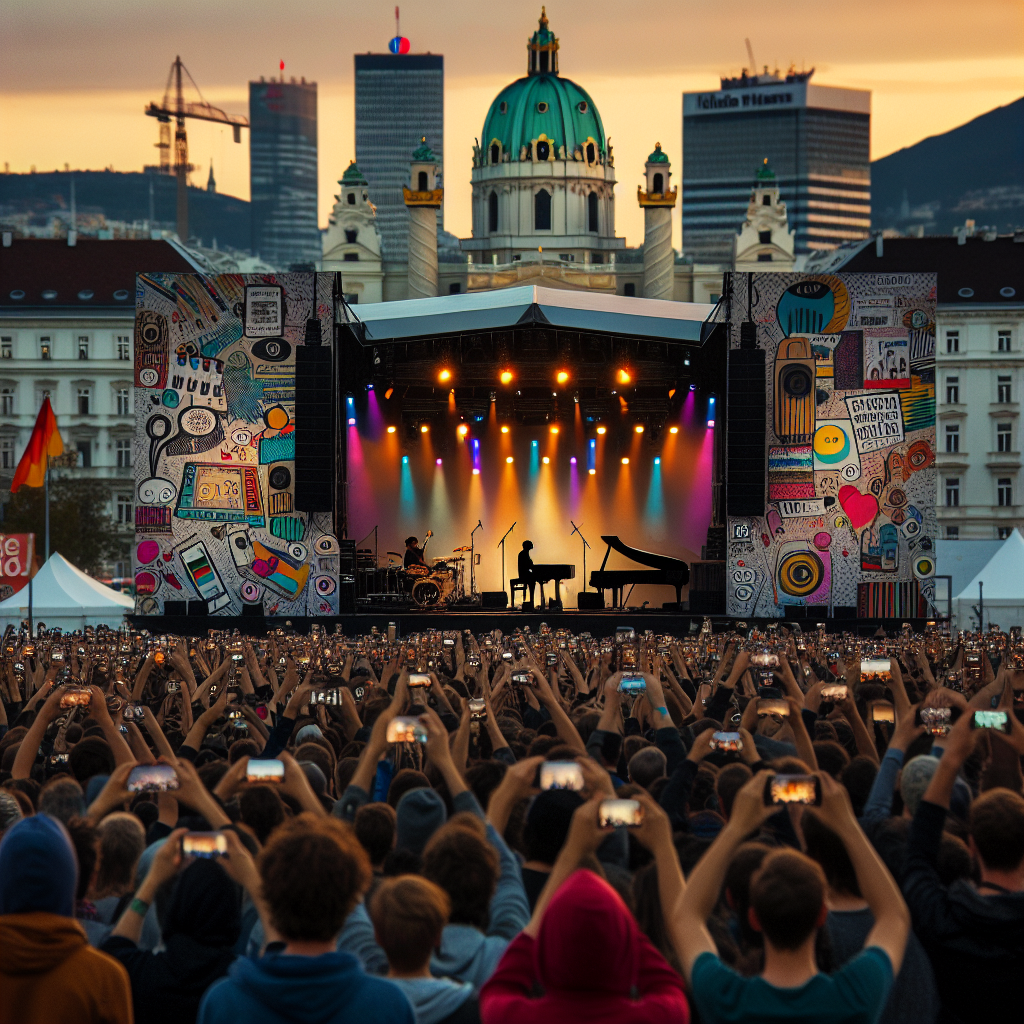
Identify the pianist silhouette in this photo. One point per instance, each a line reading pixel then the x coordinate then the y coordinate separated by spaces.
pixel 526 575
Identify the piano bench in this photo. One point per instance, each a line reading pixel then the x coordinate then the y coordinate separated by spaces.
pixel 516 585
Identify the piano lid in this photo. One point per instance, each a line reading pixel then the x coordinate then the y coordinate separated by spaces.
pixel 656 561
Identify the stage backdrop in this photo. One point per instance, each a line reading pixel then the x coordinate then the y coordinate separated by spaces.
pixel 849 519
pixel 214 445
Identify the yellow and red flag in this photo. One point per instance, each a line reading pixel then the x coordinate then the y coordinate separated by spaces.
pixel 45 442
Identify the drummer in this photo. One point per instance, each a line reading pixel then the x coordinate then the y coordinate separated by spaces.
pixel 413 553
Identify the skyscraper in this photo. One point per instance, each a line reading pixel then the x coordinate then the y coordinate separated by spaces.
pixel 399 100
pixel 817 140
pixel 283 172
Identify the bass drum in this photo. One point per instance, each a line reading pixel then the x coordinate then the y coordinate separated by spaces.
pixel 417 570
pixel 427 592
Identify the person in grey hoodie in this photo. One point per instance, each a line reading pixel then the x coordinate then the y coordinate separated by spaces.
pixel 409 915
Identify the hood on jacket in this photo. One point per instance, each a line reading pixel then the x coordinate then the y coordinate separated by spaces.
pixel 566 956
pixel 36 943
pixel 433 999
pixel 38 868
pixel 304 989
pixel 460 946
pixel 205 905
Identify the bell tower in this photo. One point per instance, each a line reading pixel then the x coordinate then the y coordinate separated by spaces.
pixel 657 202
pixel 423 199
pixel 542 49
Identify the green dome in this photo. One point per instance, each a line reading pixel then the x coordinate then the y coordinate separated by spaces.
pixel 765 173
pixel 423 152
pixel 543 103
pixel 657 157
pixel 353 176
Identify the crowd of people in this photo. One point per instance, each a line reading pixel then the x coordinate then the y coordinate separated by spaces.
pixel 742 825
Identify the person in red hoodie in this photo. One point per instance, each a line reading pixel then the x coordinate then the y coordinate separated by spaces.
pixel 582 947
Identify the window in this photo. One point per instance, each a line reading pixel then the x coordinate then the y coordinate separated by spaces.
pixel 764 257
pixel 492 212
pixel 6 347
pixel 592 212
pixel 455 288
pixel 352 299
pixel 591 153
pixel 83 346
pixel 351 257
pixel 123 402
pixel 124 347
pixel 659 183
pixel 952 533
pixel 124 508
pixel 124 453
pixel 1003 532
pixel 1003 341
pixel 629 288
pixel 1003 390
pixel 422 182
pixel 953 439
pixel 7 401
pixel 84 395
pixel 764 237
pixel 542 210
pixel 952 390
pixel 543 150
pixel 7 453
pixel 952 491
pixel 351 234
pixel 1004 491
pixel 495 153
pixel 1004 437
pixel 952 341
pixel 84 453
pixel 44 348
pixel 766 200
pixel 351 199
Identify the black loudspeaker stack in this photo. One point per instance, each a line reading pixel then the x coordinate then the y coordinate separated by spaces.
pixel 590 600
pixel 346 577
pixel 314 433
pixel 746 474
pixel 494 599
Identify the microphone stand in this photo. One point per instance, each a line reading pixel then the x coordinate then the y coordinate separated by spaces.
pixel 472 560
pixel 576 529
pixel 501 544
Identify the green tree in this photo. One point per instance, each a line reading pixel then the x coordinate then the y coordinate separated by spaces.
pixel 80 525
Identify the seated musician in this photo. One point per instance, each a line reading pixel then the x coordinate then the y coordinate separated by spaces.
pixel 413 553
pixel 526 575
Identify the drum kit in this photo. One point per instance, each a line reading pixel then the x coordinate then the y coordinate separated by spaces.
pixel 437 585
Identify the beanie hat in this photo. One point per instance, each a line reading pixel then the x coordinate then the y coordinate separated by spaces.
pixel 914 779
pixel 38 868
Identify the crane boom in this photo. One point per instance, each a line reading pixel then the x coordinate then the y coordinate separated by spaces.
pixel 750 54
pixel 178 109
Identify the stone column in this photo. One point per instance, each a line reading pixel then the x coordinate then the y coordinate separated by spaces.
pixel 659 256
pixel 422 252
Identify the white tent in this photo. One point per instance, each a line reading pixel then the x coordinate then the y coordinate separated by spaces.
pixel 1003 591
pixel 64 596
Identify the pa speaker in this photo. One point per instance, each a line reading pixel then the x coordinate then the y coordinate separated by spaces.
pixel 252 610
pixel 746 473
pixel 494 599
pixel 198 608
pixel 590 601
pixel 175 607
pixel 314 434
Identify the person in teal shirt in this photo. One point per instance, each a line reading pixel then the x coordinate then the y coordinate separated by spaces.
pixel 787 905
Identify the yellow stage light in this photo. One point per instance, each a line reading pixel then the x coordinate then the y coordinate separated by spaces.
pixel 673 430
pixel 592 472
pixel 562 376
pixel 602 430
pixel 625 461
pixel 444 375
pixel 463 430
pixel 389 393
pixel 554 430
pixel 624 377
pixel 509 460
pixel 504 430
pixel 545 460
pixel 506 376
pixel 424 428
pixel 391 430
pixel 639 428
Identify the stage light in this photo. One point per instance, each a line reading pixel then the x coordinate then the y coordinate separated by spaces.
pixel 625 460
pixel 504 430
pixel 671 392
pixel 533 444
pixel 506 376
pixel 509 460
pixel 657 460
pixel 349 399
pixel 462 430
pixel 388 393
pixel 444 375
pixel 572 461
pixel 673 430
pixel 405 460
pixel 554 430
pixel 639 428
pixel 623 376
pixel 562 376
pixel 437 462
pixel 711 423
pixel 602 430
pixel 545 460
pixel 592 472
pixel 351 421
pixel 693 387
pixel 391 430
pixel 424 429
pixel 369 387
pixel 686 361
pixel 476 471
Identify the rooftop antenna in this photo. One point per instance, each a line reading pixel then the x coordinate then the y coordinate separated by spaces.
pixel 750 54
pixel 398 29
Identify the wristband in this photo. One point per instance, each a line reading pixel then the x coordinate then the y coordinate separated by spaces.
pixel 663 711
pixel 138 906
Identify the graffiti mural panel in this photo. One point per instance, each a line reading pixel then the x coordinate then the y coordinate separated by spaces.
pixel 215 518
pixel 849 519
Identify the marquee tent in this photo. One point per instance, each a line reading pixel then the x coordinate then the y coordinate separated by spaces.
pixel 1003 590
pixel 63 595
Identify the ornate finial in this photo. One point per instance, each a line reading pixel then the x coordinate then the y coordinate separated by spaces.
pixel 543 17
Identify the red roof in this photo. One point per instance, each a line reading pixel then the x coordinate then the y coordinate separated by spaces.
pixel 47 273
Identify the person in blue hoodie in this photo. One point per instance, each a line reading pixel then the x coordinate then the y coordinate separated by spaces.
pixel 313 872
pixel 409 914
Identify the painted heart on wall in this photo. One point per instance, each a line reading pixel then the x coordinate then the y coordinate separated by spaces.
pixel 860 509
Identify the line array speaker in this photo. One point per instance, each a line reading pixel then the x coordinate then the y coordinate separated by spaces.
pixel 314 434
pixel 746 473
pixel 493 599
pixel 346 577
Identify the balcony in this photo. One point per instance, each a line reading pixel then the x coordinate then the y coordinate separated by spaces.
pixel 1003 460
pixel 952 460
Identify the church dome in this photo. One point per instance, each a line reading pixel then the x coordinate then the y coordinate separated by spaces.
pixel 544 103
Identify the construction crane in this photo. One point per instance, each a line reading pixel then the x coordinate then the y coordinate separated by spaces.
pixel 174 107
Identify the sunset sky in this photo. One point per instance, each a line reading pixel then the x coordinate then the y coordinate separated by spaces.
pixel 75 78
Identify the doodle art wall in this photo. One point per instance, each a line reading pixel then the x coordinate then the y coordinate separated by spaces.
pixel 214 446
pixel 849 520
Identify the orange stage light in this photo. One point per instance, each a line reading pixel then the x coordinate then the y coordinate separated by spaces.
pixel 444 375
pixel 504 430
pixel 391 430
pixel 506 376
pixel 639 428
pixel 554 430
pixel 424 429
pixel 624 377
pixel 673 430
pixel 625 461
pixel 389 393
pixel 562 376
pixel 462 430
pixel 510 460
pixel 602 430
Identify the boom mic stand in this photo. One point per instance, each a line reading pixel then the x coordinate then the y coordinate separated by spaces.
pixel 472 560
pixel 501 544
pixel 576 529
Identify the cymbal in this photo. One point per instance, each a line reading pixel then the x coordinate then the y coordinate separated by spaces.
pixel 465 547
pixel 398 553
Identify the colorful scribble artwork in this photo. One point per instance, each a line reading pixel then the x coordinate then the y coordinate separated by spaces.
pixel 215 519
pixel 849 520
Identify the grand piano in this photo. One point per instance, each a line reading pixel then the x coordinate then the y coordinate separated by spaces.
pixel 665 571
